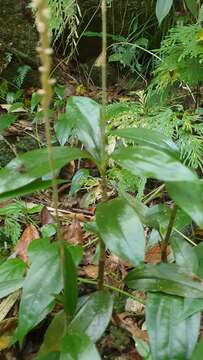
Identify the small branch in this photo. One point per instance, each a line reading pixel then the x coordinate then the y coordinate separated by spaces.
pixel 168 233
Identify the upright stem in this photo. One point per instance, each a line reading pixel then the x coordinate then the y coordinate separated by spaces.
pixel 45 52
pixel 168 233
pixel 103 138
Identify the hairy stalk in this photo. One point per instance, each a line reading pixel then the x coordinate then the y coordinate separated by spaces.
pixel 45 52
pixel 168 233
pixel 103 137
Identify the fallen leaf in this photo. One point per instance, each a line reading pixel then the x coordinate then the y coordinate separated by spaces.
pixel 29 234
pixel 73 233
pixel 91 271
pixel 4 341
pixel 129 324
pixel 46 217
pixel 153 254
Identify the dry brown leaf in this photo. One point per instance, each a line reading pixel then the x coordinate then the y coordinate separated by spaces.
pixel 91 271
pixel 153 254
pixel 73 233
pixel 131 326
pixel 29 234
pixel 46 217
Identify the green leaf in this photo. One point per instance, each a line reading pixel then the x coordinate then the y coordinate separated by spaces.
pixel 29 164
pixel 78 180
pixel 24 190
pixel 150 138
pixel 78 346
pixel 198 352
pixel 76 252
pixel 162 9
pixel 54 334
pixel 170 339
pixel 192 6
pixel 142 348
pixel 6 120
pixel 49 356
pixel 35 101
pixel 184 254
pixel 70 284
pixel 11 276
pixel 84 113
pixel 9 286
pixel 63 127
pixel 188 196
pixel 43 281
pixel 94 316
pixel 151 163
pixel 121 230
pixel 168 278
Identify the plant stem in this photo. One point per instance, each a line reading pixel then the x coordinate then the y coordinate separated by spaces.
pixel 168 233
pixel 103 139
pixel 45 52
pixel 113 288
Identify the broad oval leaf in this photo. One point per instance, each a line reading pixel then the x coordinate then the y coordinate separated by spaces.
pixel 152 163
pixel 77 346
pixel 162 9
pixel 150 138
pixel 22 190
pixel 170 339
pixel 167 278
pixel 84 113
pixel 63 128
pixel 94 316
pixel 43 281
pixel 121 230
pixel 188 196
pixel 11 276
pixel 35 163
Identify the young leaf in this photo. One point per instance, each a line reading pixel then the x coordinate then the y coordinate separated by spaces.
pixel 121 230
pixel 188 195
pixel 198 352
pixel 150 138
pixel 63 128
pixel 184 254
pixel 49 356
pixel 166 278
pixel 162 9
pixel 192 6
pixel 94 316
pixel 6 120
pixel 149 162
pixel 70 285
pixel 43 281
pixel 77 346
pixel 11 276
pixel 170 339
pixel 53 335
pixel 84 114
